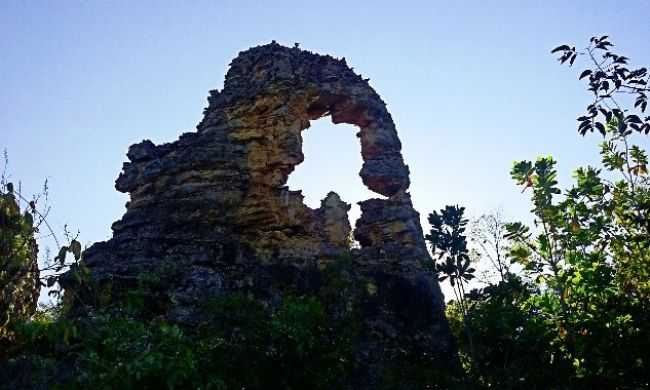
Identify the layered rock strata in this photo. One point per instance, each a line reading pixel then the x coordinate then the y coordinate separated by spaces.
pixel 214 207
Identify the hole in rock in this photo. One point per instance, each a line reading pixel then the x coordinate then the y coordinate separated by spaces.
pixel 332 163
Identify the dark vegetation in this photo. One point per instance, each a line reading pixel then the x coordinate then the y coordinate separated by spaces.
pixel 564 304
pixel 240 343
pixel 570 306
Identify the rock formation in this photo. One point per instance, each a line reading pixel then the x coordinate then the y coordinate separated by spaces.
pixel 214 207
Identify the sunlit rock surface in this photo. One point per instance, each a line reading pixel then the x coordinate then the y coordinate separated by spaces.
pixel 213 208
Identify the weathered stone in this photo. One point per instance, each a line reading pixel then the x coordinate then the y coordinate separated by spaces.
pixel 215 205
pixel 333 217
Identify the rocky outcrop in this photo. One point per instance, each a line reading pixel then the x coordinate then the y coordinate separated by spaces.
pixel 214 207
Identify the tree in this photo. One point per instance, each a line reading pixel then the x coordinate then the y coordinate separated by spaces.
pixel 577 314
pixel 449 243
pixel 449 246
pixel 488 234
pixel 21 276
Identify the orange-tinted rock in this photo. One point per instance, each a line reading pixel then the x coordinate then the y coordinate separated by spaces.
pixel 215 204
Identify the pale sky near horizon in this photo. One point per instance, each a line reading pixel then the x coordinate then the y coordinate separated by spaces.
pixel 471 85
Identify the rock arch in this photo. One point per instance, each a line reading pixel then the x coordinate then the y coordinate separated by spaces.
pixel 250 140
pixel 293 87
pixel 214 206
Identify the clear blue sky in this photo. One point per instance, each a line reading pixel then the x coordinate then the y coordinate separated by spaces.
pixel 471 86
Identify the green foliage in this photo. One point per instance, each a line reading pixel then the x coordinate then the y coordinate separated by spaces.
pixel 513 343
pixel 250 348
pixel 18 276
pixel 413 372
pixel 576 315
pixel 449 243
pixel 127 353
pixel 240 344
pixel 21 275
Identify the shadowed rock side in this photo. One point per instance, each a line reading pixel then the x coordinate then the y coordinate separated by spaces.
pixel 214 207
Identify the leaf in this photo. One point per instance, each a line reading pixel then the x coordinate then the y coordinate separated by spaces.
pixel 28 219
pixel 573 58
pixel 600 127
pixel 584 124
pixel 51 281
pixel 560 48
pixel 75 248
pixel 585 74
pixel 61 256
pixel 633 119
pixel 621 60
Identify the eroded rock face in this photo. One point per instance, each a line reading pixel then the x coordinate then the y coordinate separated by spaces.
pixel 214 207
